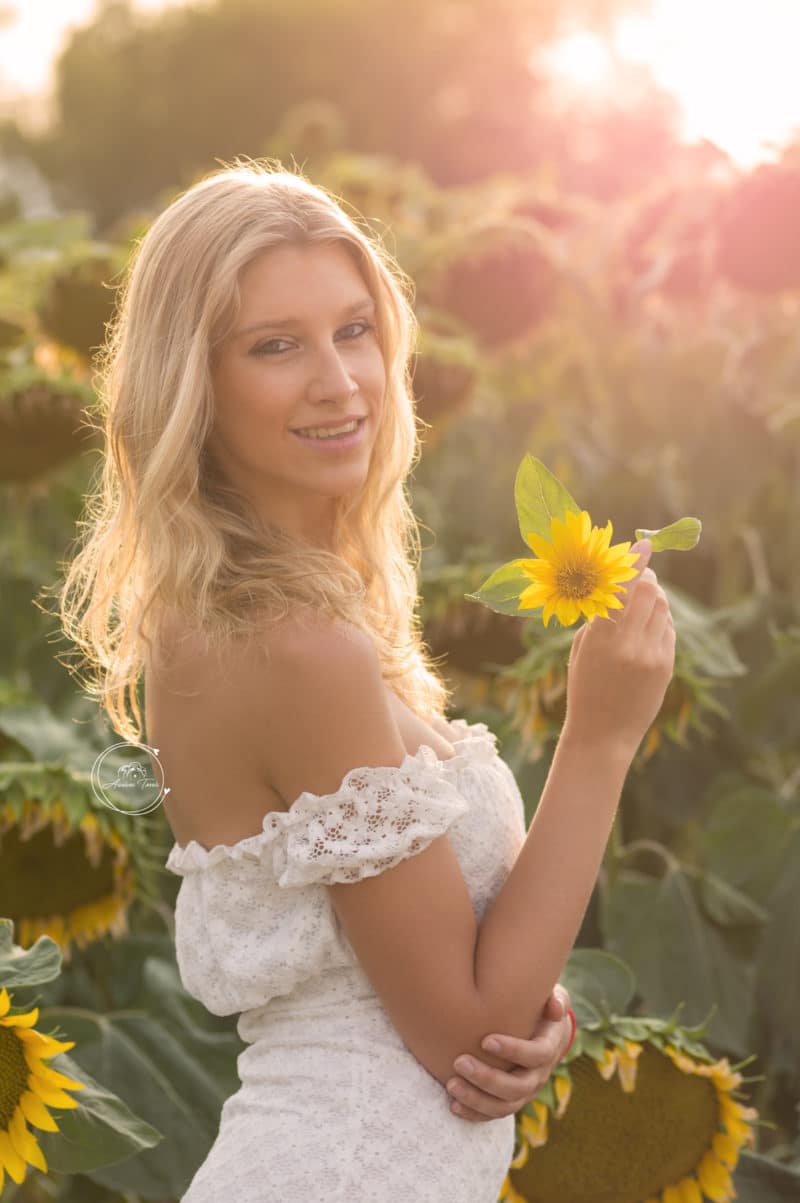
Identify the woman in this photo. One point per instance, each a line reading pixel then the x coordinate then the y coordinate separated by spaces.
pixel 258 566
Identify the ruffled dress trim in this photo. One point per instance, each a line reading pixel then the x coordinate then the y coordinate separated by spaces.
pixel 296 855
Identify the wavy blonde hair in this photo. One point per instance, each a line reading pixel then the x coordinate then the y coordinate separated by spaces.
pixel 166 535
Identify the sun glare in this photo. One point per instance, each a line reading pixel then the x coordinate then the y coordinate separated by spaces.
pixel 731 67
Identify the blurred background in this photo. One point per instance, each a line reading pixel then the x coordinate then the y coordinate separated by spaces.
pixel 599 204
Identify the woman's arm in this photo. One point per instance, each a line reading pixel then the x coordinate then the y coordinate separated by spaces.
pixel 483 1093
pixel 550 884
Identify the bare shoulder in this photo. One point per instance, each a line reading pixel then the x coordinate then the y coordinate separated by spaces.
pixel 307 634
pixel 323 689
pixel 204 714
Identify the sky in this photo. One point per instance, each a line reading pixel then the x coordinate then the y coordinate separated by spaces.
pixel 30 44
pixel 732 64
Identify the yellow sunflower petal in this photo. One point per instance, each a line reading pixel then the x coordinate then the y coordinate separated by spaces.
pixel 738 1130
pixel 5 1001
pixel 42 1045
pixel 36 1113
pixel 51 1077
pixel 21 1136
pixel 534 1126
pixel 10 1159
pixel 521 1157
pixel 714 1178
pixel 726 1148
pixel 627 1071
pixel 37 1158
pixel 543 549
pixel 24 1020
pixel 53 1097
pixel 689 1191
pixel 670 1194
pixel 563 1088
pixel 723 1075
pixel 608 1065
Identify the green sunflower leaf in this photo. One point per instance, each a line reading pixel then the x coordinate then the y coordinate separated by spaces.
pixel 26 966
pixel 101 1131
pixel 682 535
pixel 501 590
pixel 601 977
pixel 539 496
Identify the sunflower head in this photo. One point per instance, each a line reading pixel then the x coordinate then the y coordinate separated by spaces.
pixel 65 874
pixel 28 1087
pixel 577 570
pixel 632 1121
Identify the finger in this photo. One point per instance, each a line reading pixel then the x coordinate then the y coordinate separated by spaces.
pixel 660 617
pixel 643 551
pixel 638 613
pixel 530 1061
pixel 555 1007
pixel 477 1117
pixel 471 1102
pixel 498 1084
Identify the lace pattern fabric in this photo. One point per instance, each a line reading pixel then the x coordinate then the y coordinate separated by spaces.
pixel 256 935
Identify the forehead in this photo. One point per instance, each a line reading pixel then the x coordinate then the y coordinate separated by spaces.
pixel 292 279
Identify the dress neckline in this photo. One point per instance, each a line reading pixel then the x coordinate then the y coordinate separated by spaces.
pixel 473 742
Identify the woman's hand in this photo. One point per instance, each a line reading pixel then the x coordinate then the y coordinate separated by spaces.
pixel 487 1093
pixel 620 667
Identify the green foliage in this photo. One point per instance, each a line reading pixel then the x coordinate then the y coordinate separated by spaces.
pixel 540 497
pixel 102 1130
pixel 646 397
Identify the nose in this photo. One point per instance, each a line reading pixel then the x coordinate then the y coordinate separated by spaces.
pixel 331 379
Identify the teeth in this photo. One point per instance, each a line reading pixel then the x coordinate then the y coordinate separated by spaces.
pixel 321 433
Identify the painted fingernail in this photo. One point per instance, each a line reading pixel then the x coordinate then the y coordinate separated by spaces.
pixel 491 1045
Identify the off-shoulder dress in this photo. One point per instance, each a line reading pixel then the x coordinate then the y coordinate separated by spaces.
pixel 332 1105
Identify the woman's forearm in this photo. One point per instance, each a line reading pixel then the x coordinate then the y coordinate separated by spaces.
pixel 529 930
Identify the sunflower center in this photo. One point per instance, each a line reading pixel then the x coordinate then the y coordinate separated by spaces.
pixel 630 1144
pixel 40 879
pixel 13 1075
pixel 576 579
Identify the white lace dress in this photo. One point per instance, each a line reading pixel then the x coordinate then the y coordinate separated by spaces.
pixel 332 1105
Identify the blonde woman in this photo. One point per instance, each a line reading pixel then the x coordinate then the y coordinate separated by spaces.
pixel 357 883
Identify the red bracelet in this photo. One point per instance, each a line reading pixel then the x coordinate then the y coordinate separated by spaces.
pixel 571 1014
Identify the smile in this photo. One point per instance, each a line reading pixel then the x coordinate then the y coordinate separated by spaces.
pixel 335 442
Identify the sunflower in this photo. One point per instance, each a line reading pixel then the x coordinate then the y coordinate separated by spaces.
pixel 27 1088
pixel 67 878
pixel 577 572
pixel 637 1121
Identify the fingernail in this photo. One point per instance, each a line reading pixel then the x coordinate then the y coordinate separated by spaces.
pixel 491 1045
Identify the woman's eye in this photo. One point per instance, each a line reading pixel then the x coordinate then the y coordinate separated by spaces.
pixel 264 349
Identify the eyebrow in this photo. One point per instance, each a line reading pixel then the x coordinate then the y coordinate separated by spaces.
pixel 281 323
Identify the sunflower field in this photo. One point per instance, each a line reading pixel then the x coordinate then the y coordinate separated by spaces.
pixel 647 353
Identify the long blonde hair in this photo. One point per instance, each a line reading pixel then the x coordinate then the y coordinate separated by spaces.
pixel 166 535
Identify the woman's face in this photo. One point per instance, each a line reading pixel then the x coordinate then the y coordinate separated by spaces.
pixel 303 354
